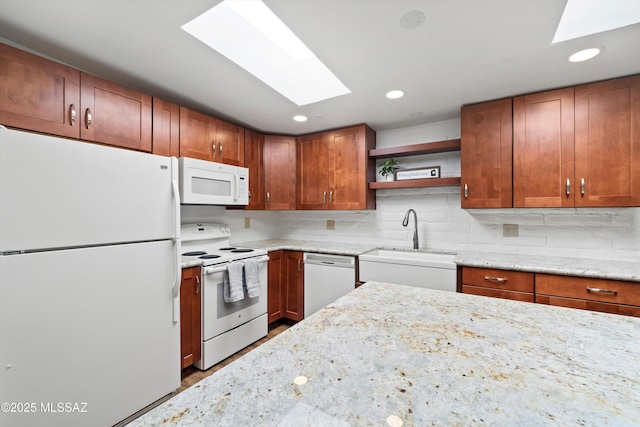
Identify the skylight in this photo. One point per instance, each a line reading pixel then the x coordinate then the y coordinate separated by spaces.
pixel 248 33
pixel 584 17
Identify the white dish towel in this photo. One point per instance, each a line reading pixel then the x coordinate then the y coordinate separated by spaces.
pixel 232 283
pixel 252 278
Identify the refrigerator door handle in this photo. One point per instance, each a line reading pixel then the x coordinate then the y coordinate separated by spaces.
pixel 176 240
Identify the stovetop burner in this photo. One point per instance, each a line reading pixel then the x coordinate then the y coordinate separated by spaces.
pixel 241 250
pixel 209 256
pixel 194 253
pixel 231 248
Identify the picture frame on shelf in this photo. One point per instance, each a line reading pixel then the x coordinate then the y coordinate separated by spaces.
pixel 418 173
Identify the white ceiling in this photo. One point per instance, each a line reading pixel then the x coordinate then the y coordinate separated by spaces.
pixel 466 51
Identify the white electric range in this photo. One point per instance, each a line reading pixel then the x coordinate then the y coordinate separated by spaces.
pixel 226 327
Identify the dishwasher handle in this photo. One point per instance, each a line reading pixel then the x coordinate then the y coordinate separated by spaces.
pixel 329 260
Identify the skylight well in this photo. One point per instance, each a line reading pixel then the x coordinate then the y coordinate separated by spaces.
pixel 584 17
pixel 248 33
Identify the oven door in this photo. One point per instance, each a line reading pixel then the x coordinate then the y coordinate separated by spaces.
pixel 219 317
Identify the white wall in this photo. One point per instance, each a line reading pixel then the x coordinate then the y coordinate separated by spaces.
pixel 611 233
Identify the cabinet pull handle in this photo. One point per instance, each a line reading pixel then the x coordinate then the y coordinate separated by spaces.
pixel 213 147
pixel 602 291
pixel 582 187
pixel 220 148
pixel 88 118
pixel 495 279
pixel 330 197
pixel 299 265
pixel 268 197
pixel 324 197
pixel 249 194
pixel 568 187
pixel 466 191
pixel 72 114
pixel 197 285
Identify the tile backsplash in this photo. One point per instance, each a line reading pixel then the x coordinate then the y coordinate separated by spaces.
pixel 603 233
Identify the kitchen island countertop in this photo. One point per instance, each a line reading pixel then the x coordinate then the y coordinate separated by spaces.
pixel 385 352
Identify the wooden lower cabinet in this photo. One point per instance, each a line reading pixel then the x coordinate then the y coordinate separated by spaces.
pixel 514 285
pixel 190 317
pixel 286 286
pixel 609 296
pixel 275 287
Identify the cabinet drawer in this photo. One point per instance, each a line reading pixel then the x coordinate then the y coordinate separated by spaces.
pixel 611 291
pixel 498 293
pixel 497 279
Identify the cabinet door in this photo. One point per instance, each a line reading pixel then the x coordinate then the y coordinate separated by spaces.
pixel 254 160
pixel 608 143
pixel 294 285
pixel 351 168
pixel 197 134
pixel 275 300
pixel 111 114
pixel 190 316
pixel 166 128
pixel 38 94
pixel 486 155
pixel 230 142
pixel 543 149
pixel 314 160
pixel 280 172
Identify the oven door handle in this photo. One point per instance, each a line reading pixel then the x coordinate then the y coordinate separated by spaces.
pixel 219 268
pixel 214 269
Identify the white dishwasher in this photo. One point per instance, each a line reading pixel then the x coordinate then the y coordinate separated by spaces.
pixel 326 278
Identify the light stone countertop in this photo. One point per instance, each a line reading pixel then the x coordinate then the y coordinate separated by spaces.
pixel 581 267
pixel 430 358
pixel 335 248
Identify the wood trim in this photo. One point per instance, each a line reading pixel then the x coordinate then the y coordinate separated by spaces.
pixel 413 183
pixel 416 149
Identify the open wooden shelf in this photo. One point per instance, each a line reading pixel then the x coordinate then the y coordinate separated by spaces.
pixel 416 149
pixel 414 183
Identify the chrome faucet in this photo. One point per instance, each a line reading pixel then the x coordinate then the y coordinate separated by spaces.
pixel 405 222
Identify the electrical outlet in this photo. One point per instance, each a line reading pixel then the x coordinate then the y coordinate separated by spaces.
pixel 331 224
pixel 509 230
pixel 247 223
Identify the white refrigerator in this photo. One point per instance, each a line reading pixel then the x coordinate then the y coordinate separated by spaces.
pixel 89 281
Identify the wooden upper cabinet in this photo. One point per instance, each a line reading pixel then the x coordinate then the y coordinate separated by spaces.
pixel 607 140
pixel 313 159
pixel 352 169
pixel 38 94
pixel 114 115
pixel 197 134
pixel 254 160
pixel 486 155
pixel 166 128
pixel 280 172
pixel 229 139
pixel 207 138
pixel 333 169
pixel 543 147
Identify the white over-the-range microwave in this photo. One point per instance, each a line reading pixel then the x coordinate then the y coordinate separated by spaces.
pixel 210 183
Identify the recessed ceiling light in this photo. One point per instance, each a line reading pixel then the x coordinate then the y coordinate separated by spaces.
pixel 395 94
pixel 584 54
pixel 248 33
pixel 300 118
pixel 581 18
